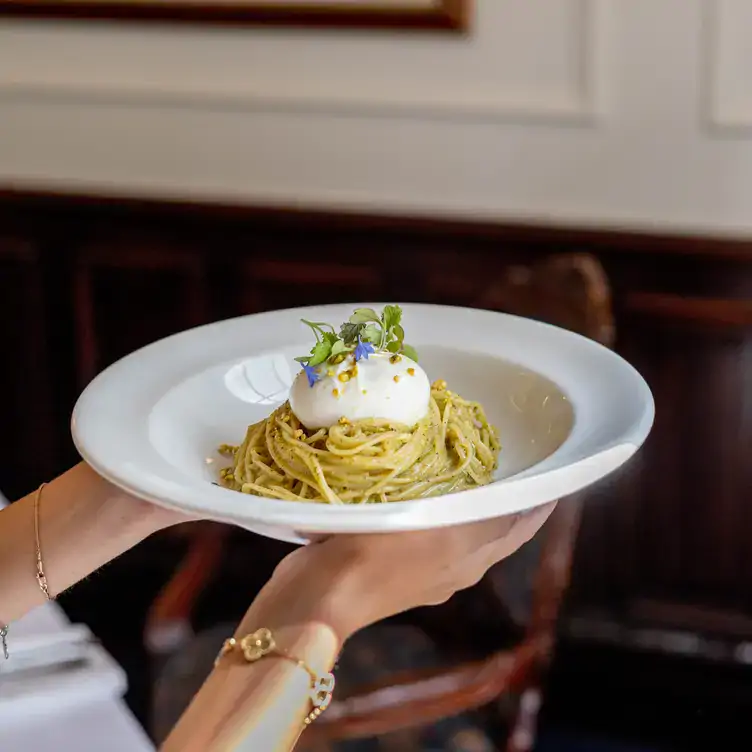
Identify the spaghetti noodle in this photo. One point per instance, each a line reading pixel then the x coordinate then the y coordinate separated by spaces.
pixel 367 461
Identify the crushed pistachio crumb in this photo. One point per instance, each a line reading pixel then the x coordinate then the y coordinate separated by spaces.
pixel 396 379
pixel 395 359
pixel 411 371
pixel 344 377
pixel 335 392
pixel 330 372
pixel 365 391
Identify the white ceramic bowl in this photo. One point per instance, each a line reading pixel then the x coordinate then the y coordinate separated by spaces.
pixel 569 412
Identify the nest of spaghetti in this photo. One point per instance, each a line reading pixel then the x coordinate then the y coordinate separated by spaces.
pixel 367 461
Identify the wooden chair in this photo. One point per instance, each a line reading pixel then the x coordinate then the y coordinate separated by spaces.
pixel 570 291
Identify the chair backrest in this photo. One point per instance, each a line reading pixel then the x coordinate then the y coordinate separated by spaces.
pixel 570 291
pixel 523 593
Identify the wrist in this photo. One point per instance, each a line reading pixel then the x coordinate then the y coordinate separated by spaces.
pixel 306 590
pixel 349 602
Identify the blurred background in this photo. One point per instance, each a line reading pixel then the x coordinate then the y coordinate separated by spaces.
pixel 158 174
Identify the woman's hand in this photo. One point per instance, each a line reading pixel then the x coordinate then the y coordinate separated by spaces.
pixel 351 581
pixel 319 596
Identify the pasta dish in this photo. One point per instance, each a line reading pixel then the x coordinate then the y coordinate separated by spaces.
pixel 363 425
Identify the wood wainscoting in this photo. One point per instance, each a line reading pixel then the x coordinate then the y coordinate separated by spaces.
pixel 84 280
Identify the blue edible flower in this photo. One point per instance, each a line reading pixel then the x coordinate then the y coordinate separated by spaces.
pixel 312 374
pixel 363 350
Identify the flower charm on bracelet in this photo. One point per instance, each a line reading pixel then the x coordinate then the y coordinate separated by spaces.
pixel 257 645
pixel 253 646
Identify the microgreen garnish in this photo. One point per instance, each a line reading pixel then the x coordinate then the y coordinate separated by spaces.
pixel 363 334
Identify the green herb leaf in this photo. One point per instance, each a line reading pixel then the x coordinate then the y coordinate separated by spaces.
pixel 303 359
pixel 321 352
pixel 393 346
pixel 392 316
pixel 364 315
pixel 338 348
pixel 349 332
pixel 398 333
pixel 372 334
pixel 410 352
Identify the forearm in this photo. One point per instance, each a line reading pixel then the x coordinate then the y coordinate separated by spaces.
pixel 262 706
pixel 84 522
pixel 259 706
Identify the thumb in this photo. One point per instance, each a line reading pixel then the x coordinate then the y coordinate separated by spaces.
pixel 525 526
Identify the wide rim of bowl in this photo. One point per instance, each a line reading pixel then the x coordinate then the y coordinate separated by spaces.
pixel 560 474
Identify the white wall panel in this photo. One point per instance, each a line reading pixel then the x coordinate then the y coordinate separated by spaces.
pixel 728 66
pixel 523 59
pixel 570 111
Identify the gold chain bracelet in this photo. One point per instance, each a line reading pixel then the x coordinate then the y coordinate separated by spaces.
pixel 261 644
pixel 41 577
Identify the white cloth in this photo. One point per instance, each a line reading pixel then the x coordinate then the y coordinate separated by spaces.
pixel 76 706
pixel 93 727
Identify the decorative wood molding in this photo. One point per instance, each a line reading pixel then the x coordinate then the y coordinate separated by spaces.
pixel 509 234
pixel 17 250
pixel 442 15
pixel 694 314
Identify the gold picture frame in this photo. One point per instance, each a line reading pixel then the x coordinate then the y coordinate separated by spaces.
pixel 428 15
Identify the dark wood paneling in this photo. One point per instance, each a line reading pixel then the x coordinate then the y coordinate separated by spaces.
pixel 25 374
pixel 694 514
pixel 673 526
pixel 129 293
